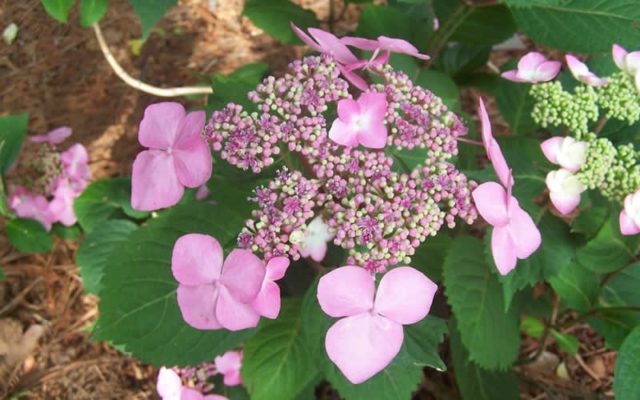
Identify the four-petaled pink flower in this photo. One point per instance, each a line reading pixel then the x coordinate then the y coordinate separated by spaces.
pixel 361 121
pixel 533 67
pixel 177 156
pixel 566 152
pixel 61 207
pixel 515 235
pixel 581 72
pixel 627 62
pixel 229 365
pixel 53 137
pixel 213 294
pixel 314 239
pixel 169 387
pixel 630 215
pixel 371 335
pixel 267 302
pixel 30 205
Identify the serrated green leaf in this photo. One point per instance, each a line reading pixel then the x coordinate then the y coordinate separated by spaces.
pixel 91 11
pixel 28 236
pixel 609 250
pixel 599 23
pixel 378 20
pixel 150 12
pixel 277 362
pixel 515 104
pixel 476 383
pixel 275 16
pixel 462 58
pixel 567 343
pixel 626 384
pixel 422 340
pixel 13 129
pixel 97 247
pixel 105 199
pixel 138 307
pixel 489 333
pixel 576 286
pixel 58 9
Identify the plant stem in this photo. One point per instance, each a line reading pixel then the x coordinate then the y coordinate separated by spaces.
pixel 470 141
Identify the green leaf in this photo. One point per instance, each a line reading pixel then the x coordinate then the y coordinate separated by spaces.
pixel 461 58
pixel 275 16
pixel 379 20
pixel 13 129
pixel 609 249
pixel 67 232
pixel 489 333
pixel 58 9
pixel 422 340
pixel 28 236
pixel 476 383
pixel 104 199
pixel 461 23
pixel 235 86
pixel 592 216
pixel 626 384
pixel 138 307
pixel 567 343
pixel 586 26
pixel 277 362
pixel 150 12
pixel 91 11
pixel 576 286
pixel 532 327
pixel 515 104
pixel 430 255
pixel 2 275
pixel 96 248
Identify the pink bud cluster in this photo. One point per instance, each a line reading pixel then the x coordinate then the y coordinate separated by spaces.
pixel 284 206
pixel 60 177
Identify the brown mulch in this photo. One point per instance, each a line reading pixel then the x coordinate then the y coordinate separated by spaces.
pixel 58 75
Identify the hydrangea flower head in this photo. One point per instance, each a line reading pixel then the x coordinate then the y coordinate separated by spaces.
pixel 214 293
pixel 177 156
pixel 564 190
pixel 361 122
pixel 581 72
pixel 630 215
pixel 370 333
pixel 533 67
pixel 229 365
pixel 53 137
pixel 566 152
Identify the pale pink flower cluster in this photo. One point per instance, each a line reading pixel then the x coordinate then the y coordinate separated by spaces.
pixel 62 178
pixel 193 382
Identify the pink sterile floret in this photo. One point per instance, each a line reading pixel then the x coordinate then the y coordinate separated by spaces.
pixel 30 205
pixel 630 215
pixel 229 365
pixel 533 67
pixel 267 302
pixel 170 387
pixel 361 122
pixel 371 335
pixel 213 294
pixel 177 156
pixel 581 72
pixel 53 137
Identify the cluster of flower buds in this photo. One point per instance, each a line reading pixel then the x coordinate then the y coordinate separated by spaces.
pixel 59 177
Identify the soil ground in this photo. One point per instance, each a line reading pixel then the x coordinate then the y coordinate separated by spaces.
pixel 58 75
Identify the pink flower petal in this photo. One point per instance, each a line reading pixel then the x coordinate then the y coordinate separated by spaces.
pixel 491 201
pixel 348 109
pixel 305 38
pixel 192 156
pixel 503 250
pixel 188 393
pixel 500 165
pixel 75 163
pixel 229 365
pixel 565 203
pixel 346 291
pixel 53 137
pixel 375 137
pixel 551 148
pixel 524 232
pixel 360 43
pixel 619 54
pixel 154 183
pixel 276 268
pixel 61 207
pixel 341 133
pixel 400 46
pixel 233 314
pixel 169 384
pixel 512 75
pixel 363 345
pixel 331 45
pixel 547 71
pixel 404 295
pixel 531 61
pixel 632 61
pixel 214 397
pixel 267 302
pixel 316 252
pixel 373 105
pixel 242 274
pixel 159 126
pixel 198 306
pixel 354 78
pixel 627 226
pixel 196 259
pixel 485 124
